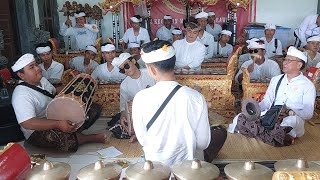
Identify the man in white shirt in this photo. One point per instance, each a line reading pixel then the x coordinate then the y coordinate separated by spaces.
pixel 51 70
pixel 136 34
pixel 190 53
pixel 312 48
pixel 30 109
pixel 222 48
pixel 204 37
pixel 85 34
pixel 295 91
pixel 308 27
pixel 176 35
pixel 181 131
pixel 106 71
pixel 135 53
pixel 136 80
pixel 86 63
pixel 273 45
pixel 258 66
pixel 213 28
pixel 165 31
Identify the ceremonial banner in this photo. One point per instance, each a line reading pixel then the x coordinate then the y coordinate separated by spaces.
pixel 177 9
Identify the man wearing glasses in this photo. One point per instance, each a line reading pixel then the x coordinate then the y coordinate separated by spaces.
pixel 189 52
pixel 258 66
pixel 136 80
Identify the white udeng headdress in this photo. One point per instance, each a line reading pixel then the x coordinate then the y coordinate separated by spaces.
pixel 22 62
pixel 41 50
pixel 164 53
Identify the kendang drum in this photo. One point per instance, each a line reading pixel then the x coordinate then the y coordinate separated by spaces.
pixel 74 101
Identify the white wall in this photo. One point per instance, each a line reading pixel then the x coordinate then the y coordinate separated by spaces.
pixel 106 21
pixel 286 13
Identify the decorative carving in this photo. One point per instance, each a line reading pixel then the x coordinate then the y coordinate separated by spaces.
pixel 3 60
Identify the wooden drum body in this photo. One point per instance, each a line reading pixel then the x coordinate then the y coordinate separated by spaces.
pixel 74 101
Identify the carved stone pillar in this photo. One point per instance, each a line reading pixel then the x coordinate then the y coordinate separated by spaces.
pixel 3 60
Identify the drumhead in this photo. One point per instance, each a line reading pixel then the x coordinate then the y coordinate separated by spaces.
pixel 66 108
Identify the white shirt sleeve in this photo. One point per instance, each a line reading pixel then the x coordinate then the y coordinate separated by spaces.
pixel 158 34
pixel 210 48
pixel 269 96
pixel 201 52
pixel 23 107
pixel 125 37
pixel 92 27
pixel 302 29
pixel 124 97
pixel 57 72
pixel 65 30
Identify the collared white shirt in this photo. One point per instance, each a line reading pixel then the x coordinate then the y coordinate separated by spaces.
pixel 225 51
pixel 298 94
pixel 307 28
pixel 84 36
pixel 268 69
pixel 215 31
pixel 103 74
pixel 78 64
pixel 312 62
pixel 181 131
pixel 189 54
pixel 207 40
pixel 29 103
pixel 271 48
pixel 164 33
pixel 130 87
pixel 55 70
pixel 143 35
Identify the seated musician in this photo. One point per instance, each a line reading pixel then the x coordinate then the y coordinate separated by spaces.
pixel 182 130
pixel 176 35
pixel 51 70
pixel 135 53
pixel 136 34
pixel 190 53
pixel 311 51
pixel 86 63
pixel 30 109
pixel 106 71
pixel 273 45
pixel 213 28
pixel 222 48
pixel 258 66
pixel 246 55
pixel 204 37
pixel 165 31
pixel 296 92
pixel 84 34
pixel 136 80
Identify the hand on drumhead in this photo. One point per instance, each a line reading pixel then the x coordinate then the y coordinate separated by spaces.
pixel 67 126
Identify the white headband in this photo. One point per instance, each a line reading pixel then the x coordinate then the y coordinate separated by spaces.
pixel 167 17
pixel 226 32
pixel 211 13
pixel 314 38
pixel 256 45
pixel 108 48
pixel 91 48
pixel 41 50
pixel 176 31
pixel 270 26
pixel 134 19
pixel 161 54
pixel 201 15
pixel 119 60
pixel 22 62
pixel 292 51
pixel 82 14
pixel 133 45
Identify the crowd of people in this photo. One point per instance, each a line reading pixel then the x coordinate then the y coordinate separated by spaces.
pixel 170 121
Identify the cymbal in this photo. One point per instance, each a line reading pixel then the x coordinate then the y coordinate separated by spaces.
pixel 148 170
pixel 195 169
pixel 100 170
pixel 248 171
pixel 50 171
pixel 296 165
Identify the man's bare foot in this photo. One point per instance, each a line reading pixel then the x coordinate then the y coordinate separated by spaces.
pixel 133 139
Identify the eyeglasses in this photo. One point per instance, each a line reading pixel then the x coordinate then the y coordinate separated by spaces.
pixel 122 70
pixel 253 51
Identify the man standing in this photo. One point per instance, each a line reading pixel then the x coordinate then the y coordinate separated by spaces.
pixel 86 63
pixel 51 69
pixel 85 34
pixel 295 91
pixel 190 53
pixel 204 37
pixel 165 31
pixel 30 105
pixel 258 66
pixel 181 131
pixel 213 28
pixel 273 46
pixel 309 27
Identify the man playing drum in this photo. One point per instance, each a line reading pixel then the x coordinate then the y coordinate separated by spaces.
pixel 181 131
pixel 30 101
